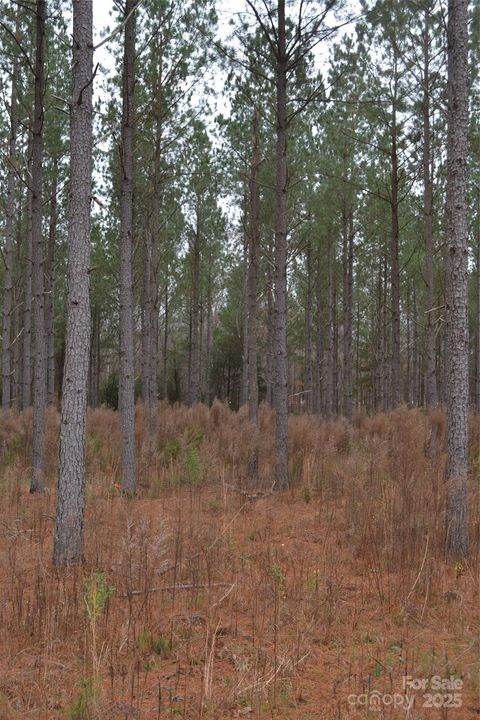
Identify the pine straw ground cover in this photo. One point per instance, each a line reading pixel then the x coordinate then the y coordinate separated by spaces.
pixel 206 598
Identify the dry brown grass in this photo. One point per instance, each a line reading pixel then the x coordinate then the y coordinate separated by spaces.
pixel 203 599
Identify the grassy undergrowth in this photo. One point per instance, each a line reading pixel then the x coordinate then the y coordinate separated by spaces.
pixel 204 597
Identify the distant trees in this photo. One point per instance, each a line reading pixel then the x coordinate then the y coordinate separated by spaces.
pixel 290 250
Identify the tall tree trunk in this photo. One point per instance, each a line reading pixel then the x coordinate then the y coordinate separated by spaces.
pixel 329 350
pixel 49 290
pixel 8 251
pixel 27 309
pixel 477 328
pixel 126 387
pixel 347 257
pixel 68 537
pixel 166 307
pixel 281 481
pixel 244 376
pixel 431 395
pixel 307 371
pixel 194 395
pixel 253 240
pixel 318 337
pixel 270 350
pixel 37 483
pixel 457 282
pixel 396 387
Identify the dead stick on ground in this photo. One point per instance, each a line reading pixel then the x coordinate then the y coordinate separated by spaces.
pixel 176 587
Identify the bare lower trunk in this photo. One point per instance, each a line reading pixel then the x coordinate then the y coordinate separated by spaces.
pixel 318 338
pixel 395 273
pixel 68 537
pixel 307 372
pixel 27 313
pixel 166 308
pixel 194 394
pixel 431 396
pixel 347 311
pixel 37 483
pixel 457 282
pixel 126 387
pixel 252 300
pixel 8 251
pixel 49 290
pixel 281 481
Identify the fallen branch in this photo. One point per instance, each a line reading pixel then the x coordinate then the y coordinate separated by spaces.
pixel 166 588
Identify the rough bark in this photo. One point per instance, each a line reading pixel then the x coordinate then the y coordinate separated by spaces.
pixel 27 308
pixel 318 337
pixel 126 387
pixel 49 289
pixel 37 482
pixel 166 308
pixel 396 386
pixel 8 250
pixel 281 481
pixel 457 282
pixel 68 537
pixel 347 262
pixel 253 239
pixel 307 372
pixel 431 395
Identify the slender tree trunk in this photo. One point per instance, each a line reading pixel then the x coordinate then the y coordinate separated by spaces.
pixel 270 354
pixel 37 483
pixel 68 537
pixel 457 282
pixel 281 481
pixel 396 388
pixel 195 344
pixel 431 395
pixel 477 348
pixel 8 251
pixel 318 337
pixel 329 350
pixel 27 310
pixel 166 307
pixel 49 290
pixel 347 232
pixel 307 371
pixel 253 239
pixel 126 388
pixel 245 308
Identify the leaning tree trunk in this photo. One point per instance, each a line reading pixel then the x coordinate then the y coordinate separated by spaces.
pixel 126 388
pixel 68 538
pixel 281 481
pixel 8 252
pixel 37 482
pixel 457 282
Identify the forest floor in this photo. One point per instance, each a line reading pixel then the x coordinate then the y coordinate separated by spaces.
pixel 205 598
